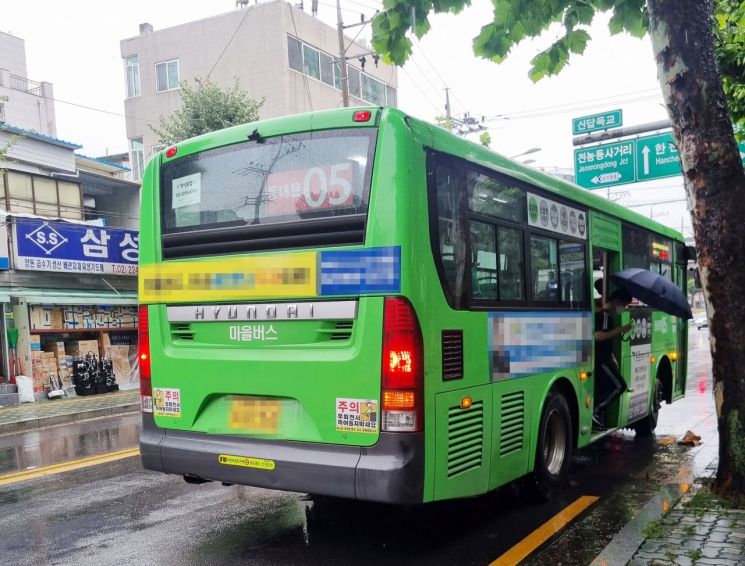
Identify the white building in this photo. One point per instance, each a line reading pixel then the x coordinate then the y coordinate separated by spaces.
pixel 277 51
pixel 24 103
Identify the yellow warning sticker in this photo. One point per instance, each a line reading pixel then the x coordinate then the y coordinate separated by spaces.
pixel 246 462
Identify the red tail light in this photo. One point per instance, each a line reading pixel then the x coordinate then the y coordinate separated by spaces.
pixel 143 355
pixel 402 368
pixel 362 116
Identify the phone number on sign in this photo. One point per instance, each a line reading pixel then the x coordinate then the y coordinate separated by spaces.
pixel 125 269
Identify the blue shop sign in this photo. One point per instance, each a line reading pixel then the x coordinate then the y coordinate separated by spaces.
pixel 47 245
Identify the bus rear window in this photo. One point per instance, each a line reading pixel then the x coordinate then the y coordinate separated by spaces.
pixel 289 178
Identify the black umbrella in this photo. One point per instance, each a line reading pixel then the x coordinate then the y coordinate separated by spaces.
pixel 654 290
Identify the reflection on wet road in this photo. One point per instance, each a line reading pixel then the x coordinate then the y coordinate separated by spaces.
pixel 116 513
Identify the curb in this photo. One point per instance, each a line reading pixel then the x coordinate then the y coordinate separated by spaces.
pixel 630 538
pixel 40 422
pixel 621 549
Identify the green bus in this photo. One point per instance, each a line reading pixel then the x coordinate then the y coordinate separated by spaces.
pixel 355 303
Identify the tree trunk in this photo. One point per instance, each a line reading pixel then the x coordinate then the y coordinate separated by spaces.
pixel 715 187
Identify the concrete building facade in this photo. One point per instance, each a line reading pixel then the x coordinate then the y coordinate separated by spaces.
pixel 278 53
pixel 69 247
pixel 24 103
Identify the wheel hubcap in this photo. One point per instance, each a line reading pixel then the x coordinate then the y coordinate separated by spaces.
pixel 555 443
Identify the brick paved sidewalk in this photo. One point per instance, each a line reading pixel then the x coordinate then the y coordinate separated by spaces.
pixel 27 416
pixel 700 530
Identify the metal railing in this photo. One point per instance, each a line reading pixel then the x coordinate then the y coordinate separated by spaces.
pixel 25 85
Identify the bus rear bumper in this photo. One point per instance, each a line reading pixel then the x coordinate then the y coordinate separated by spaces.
pixel 391 471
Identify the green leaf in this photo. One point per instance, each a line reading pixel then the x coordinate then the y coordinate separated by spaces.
pixel 422 27
pixel 501 13
pixel 585 13
pixel 577 41
pixel 540 65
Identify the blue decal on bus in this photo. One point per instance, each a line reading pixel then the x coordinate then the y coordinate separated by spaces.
pixel 534 342
pixel 357 272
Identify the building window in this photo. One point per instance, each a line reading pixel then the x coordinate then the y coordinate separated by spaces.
pixel 310 62
pixel 295 54
pixel 132 68
pixel 137 157
pixel 45 196
pixel 2 112
pixel 166 75
pixel 390 96
pixel 321 66
pixel 354 82
pixel 373 90
pixel 70 201
pixel 327 69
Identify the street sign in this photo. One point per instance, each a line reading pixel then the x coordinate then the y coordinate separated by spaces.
pixel 656 157
pixel 642 159
pixel 604 165
pixel 594 122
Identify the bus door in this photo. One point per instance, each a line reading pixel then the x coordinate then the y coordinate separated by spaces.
pixel 604 262
pixel 606 238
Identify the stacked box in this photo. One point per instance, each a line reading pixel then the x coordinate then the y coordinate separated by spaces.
pixel 81 348
pixel 73 317
pixel 40 317
pixel 56 318
pixel 35 342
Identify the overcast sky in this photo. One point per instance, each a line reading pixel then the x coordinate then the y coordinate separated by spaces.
pixel 75 46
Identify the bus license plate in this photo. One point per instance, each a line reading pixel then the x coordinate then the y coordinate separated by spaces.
pixel 258 416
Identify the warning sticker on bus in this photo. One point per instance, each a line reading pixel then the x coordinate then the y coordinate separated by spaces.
pixel 246 462
pixel 357 415
pixel 166 402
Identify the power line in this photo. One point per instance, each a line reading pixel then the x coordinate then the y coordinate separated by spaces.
pixel 572 106
pixel 248 10
pixel 416 85
pixel 94 109
pixel 439 76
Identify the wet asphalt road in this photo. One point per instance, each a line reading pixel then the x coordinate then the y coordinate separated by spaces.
pixel 116 513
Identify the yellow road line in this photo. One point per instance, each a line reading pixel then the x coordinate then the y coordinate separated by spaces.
pixel 548 529
pixel 68 466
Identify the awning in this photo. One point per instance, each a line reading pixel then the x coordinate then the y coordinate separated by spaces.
pixel 69 297
pixel 4 298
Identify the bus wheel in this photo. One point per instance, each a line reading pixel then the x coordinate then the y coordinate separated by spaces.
pixel 554 448
pixel 646 426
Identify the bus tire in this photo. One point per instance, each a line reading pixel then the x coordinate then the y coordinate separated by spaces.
pixel 646 426
pixel 554 447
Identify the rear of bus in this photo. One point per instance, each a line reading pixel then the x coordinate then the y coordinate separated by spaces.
pixel 276 348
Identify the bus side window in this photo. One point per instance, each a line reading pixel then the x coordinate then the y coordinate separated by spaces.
pixel 451 244
pixel 484 264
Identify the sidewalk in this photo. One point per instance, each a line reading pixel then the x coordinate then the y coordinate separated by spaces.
pixel 699 530
pixel 684 524
pixel 27 416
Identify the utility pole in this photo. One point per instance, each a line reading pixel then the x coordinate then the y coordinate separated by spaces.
pixel 342 57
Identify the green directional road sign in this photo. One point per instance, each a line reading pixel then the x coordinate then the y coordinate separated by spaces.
pixel 594 122
pixel 656 157
pixel 604 165
pixel 642 159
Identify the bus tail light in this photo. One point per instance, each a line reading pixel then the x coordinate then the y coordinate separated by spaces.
pixel 362 116
pixel 402 368
pixel 143 356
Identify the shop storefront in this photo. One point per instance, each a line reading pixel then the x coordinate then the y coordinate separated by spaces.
pixel 73 299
